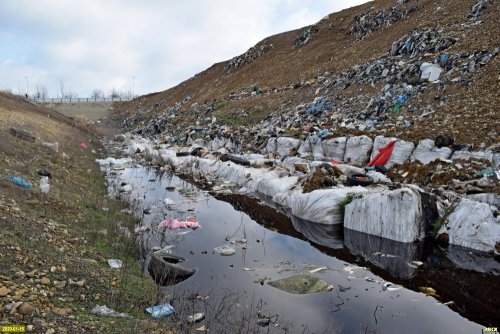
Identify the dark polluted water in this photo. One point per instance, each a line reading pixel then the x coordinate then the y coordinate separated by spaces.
pixel 233 291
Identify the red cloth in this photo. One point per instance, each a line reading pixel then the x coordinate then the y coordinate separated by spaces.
pixel 383 155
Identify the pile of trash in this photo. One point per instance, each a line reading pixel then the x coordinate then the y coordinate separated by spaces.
pixel 305 36
pixel 370 21
pixel 249 56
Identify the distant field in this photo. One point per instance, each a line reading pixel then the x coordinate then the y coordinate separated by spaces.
pixel 93 111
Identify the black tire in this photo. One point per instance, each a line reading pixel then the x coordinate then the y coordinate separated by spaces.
pixel 166 269
pixel 182 154
pixel 359 180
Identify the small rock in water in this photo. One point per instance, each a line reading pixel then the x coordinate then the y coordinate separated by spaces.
pixel 195 317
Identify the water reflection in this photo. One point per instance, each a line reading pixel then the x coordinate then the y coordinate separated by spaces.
pixel 395 257
pixel 277 247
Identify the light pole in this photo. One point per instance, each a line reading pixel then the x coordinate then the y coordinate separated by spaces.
pixel 26 85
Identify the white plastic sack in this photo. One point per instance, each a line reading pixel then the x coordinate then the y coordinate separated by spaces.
pixel 430 72
pixel 271 145
pixel 334 148
pixel 426 152
pixel 305 148
pixel 395 215
pixel 401 152
pixel 113 161
pixel 285 144
pixel 322 206
pixel 271 187
pixel 44 184
pixel 358 149
pixel 473 225
pixel 53 146
pixel 216 144
pixel 466 155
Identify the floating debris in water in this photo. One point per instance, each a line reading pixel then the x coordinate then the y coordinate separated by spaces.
pixel 388 286
pixel 428 291
pixel 301 284
pixel 225 250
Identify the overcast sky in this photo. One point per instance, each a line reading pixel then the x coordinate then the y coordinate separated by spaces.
pixel 106 43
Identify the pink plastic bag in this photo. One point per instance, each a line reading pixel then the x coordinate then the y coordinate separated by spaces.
pixel 174 224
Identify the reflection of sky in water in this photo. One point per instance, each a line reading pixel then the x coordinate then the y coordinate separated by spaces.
pixel 351 311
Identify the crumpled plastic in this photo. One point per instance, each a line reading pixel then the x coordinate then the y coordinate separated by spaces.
pixel 159 311
pixel 173 223
pixel 20 182
pixel 104 310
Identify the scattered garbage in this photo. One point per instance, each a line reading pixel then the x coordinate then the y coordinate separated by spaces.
pixel 21 134
pixel 430 72
pixel 197 317
pixel 487 172
pixel 428 291
pixel 159 311
pixel 391 287
pixel 249 56
pixel 115 264
pixel 168 201
pixel 305 36
pixel 225 250
pixel 106 311
pixel 44 172
pixel 301 284
pixel 20 182
pixel 84 146
pixel 113 161
pixel 53 146
pixel 168 269
pixel 44 184
pixel 317 270
pixel 173 223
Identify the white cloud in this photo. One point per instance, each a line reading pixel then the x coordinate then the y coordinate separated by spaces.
pixel 103 44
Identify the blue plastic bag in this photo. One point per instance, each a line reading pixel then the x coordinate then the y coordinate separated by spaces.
pixel 20 182
pixel 159 311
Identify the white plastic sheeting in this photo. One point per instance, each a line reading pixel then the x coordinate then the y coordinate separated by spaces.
pixel 271 187
pixel 395 215
pixel 317 149
pixel 271 145
pixel 473 225
pixel 358 149
pixel 289 162
pixel 401 152
pixel 334 148
pixel 285 144
pixel 426 152
pixel 322 206
pixel 305 148
pixel 466 155
pixel 216 144
pixel 113 161
pixel 430 72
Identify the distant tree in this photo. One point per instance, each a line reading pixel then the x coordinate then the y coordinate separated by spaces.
pixel 70 95
pixel 114 93
pixel 41 92
pixel 97 94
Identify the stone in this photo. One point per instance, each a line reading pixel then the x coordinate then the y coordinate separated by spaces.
pixel 301 284
pixel 45 281
pixel 25 308
pixel 4 291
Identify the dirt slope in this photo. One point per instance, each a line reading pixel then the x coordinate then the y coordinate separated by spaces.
pixel 280 73
pixel 54 247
